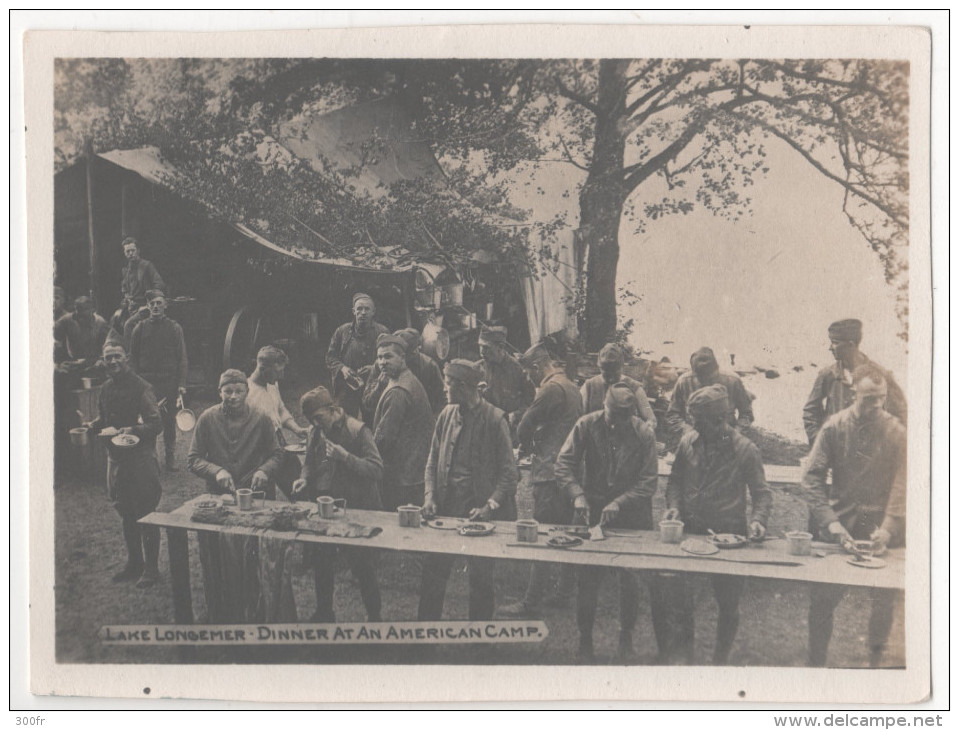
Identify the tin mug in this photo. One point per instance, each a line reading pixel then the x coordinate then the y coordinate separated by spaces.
pixel 244 498
pixel 671 531
pixel 329 507
pixel 410 515
pixel 527 530
pixel 799 543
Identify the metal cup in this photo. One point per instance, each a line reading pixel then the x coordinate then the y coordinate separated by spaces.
pixel 671 531
pixel 527 530
pixel 799 543
pixel 244 498
pixel 329 507
pixel 410 515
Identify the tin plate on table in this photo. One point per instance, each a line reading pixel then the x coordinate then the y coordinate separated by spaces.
pixel 698 547
pixel 476 529
pixel 564 541
pixel 447 523
pixel 864 562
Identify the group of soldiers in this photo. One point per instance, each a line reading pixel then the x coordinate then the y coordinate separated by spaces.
pixel 395 430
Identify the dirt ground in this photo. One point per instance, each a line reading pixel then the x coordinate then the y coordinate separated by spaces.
pixel 89 549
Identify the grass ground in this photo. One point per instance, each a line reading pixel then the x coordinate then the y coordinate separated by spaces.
pixel 89 549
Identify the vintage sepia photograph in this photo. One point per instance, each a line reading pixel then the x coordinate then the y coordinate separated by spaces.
pixel 560 360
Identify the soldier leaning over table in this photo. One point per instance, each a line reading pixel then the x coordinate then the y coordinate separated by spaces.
pixel 609 470
pixel 341 462
pixel 470 473
pixel 128 405
pixel 715 466
pixel 864 447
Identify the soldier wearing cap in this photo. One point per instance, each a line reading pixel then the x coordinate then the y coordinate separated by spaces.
pixel 342 462
pixel 423 367
pixel 715 466
pixel 611 361
pixel 833 391
pixel 127 405
pixel 704 370
pixel 138 277
pixel 470 473
pixel 82 334
pixel 863 449
pixel 235 447
pixel 507 386
pixel 608 469
pixel 402 425
pixel 541 433
pixel 352 352
pixel 158 354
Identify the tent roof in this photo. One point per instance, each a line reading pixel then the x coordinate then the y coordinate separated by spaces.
pixel 148 163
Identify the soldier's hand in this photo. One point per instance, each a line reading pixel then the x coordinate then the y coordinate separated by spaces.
pixel 840 533
pixel 756 531
pixel 126 429
pixel 260 480
pixel 347 372
pixel 671 514
pixel 299 486
pixel 581 508
pixel 880 540
pixel 336 452
pixel 480 514
pixel 610 513
pixel 429 508
pixel 225 481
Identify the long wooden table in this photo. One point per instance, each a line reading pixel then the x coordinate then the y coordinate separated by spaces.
pixel 633 549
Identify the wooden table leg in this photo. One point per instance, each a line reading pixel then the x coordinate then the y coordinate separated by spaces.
pixel 177 544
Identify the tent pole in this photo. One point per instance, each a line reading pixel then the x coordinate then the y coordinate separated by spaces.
pixel 93 259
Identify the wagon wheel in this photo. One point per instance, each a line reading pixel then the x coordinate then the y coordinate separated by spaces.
pixel 240 344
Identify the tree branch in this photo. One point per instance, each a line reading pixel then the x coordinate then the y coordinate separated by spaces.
pixel 569 156
pixel 580 99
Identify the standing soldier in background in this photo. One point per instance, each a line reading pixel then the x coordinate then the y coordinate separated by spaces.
pixel 704 370
pixel 864 449
pixel 128 406
pixel 715 467
pixel 138 277
pixel 402 426
pixel 341 462
pixel 507 386
pixel 158 354
pixel 608 469
pixel 611 361
pixel 82 335
pixel 541 433
pixel 470 473
pixel 423 367
pixel 833 389
pixel 352 352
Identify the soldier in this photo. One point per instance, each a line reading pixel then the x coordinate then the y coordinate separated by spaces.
pixel 352 352
pixel 715 466
pixel 470 473
pixel 608 469
pixel 704 370
pixel 864 448
pixel 138 277
pixel 832 391
pixel 402 426
pixel 158 354
pixel 541 432
pixel 342 462
pixel 611 361
pixel 507 386
pixel 127 406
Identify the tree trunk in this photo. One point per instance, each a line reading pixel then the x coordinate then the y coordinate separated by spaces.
pixel 601 205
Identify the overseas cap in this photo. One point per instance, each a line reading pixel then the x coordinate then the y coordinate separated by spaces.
pixel 703 360
pixel 314 400
pixel 463 370
pixel 386 339
pixel 709 401
pixel 611 354
pixel 846 329
pixel 620 396
pixel 232 376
